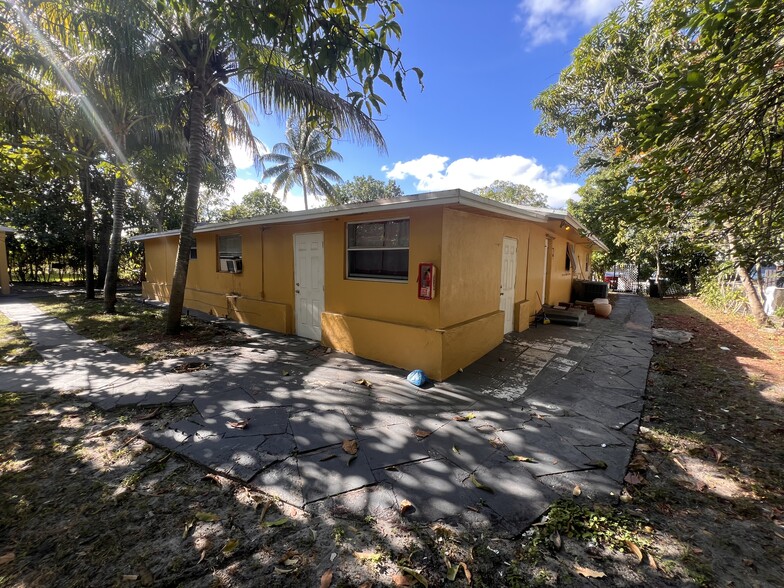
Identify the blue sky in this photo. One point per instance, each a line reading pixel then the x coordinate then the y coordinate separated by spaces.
pixel 484 63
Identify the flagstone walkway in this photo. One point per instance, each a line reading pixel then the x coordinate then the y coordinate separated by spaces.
pixel 320 430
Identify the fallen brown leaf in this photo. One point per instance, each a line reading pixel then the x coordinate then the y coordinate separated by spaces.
pixel 149 415
pixel 401 580
pixel 639 463
pixel 576 491
pixel 350 446
pixel 555 539
pixel 219 480
pixel 652 562
pixel 520 458
pixel 645 447
pixel 364 382
pixel 463 418
pixel 696 550
pixel 106 432
pixel 7 558
pixel 635 550
pixel 466 571
pixel 497 443
pixel 633 479
pixel 326 579
pixel 717 454
pixel 405 506
pixel 243 424
pixel 422 434
pixel 588 572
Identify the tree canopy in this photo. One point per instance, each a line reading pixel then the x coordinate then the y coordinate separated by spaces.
pixel 677 106
pixel 363 189
pixel 511 193
pixel 258 202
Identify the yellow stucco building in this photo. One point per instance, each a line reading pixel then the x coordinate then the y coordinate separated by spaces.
pixel 431 281
pixel 5 277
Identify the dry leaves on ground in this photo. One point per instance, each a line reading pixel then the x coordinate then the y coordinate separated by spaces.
pixel 588 572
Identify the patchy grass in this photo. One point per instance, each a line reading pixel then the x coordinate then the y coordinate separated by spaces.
pixel 137 330
pixel 15 347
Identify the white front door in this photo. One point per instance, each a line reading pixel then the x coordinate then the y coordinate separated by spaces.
pixel 508 275
pixel 309 283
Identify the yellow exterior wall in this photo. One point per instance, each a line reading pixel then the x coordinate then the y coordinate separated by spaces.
pixel 560 277
pixel 381 320
pixel 5 278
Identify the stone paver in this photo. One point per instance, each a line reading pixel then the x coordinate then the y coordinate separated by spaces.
pixel 568 398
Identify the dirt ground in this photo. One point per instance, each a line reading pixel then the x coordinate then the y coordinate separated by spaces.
pixel 85 502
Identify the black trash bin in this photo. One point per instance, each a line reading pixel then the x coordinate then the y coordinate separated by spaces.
pixel 653 288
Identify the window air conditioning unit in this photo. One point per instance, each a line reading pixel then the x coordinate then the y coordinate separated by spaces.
pixel 233 265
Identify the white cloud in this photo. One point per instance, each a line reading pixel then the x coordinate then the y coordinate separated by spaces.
pixel 242 156
pixel 241 186
pixel 552 20
pixel 431 173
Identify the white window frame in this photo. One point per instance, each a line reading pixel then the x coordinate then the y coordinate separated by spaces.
pixel 230 255
pixel 371 278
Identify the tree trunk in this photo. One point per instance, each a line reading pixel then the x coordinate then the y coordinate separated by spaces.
pixel 105 236
pixel 752 297
pixel 305 194
pixel 89 235
pixel 190 209
pixel 115 244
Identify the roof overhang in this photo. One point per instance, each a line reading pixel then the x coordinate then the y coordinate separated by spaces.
pixel 6 229
pixel 445 197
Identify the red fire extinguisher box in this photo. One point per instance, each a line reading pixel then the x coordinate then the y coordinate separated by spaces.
pixel 426 280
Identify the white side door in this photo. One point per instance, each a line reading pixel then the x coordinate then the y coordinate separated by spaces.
pixel 308 283
pixel 508 276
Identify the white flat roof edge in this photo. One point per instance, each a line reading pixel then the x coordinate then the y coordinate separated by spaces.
pixel 454 196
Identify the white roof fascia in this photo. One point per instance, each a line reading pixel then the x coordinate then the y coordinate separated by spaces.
pixel 4 229
pixel 459 197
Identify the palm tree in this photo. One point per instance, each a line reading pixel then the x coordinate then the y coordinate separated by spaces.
pixel 105 64
pixel 282 57
pixel 207 52
pixel 301 161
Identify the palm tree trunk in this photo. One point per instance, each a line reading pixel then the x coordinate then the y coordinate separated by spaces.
pixel 115 244
pixel 305 193
pixel 89 235
pixel 190 209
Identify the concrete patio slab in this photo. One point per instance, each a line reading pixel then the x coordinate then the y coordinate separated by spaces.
pixel 567 397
